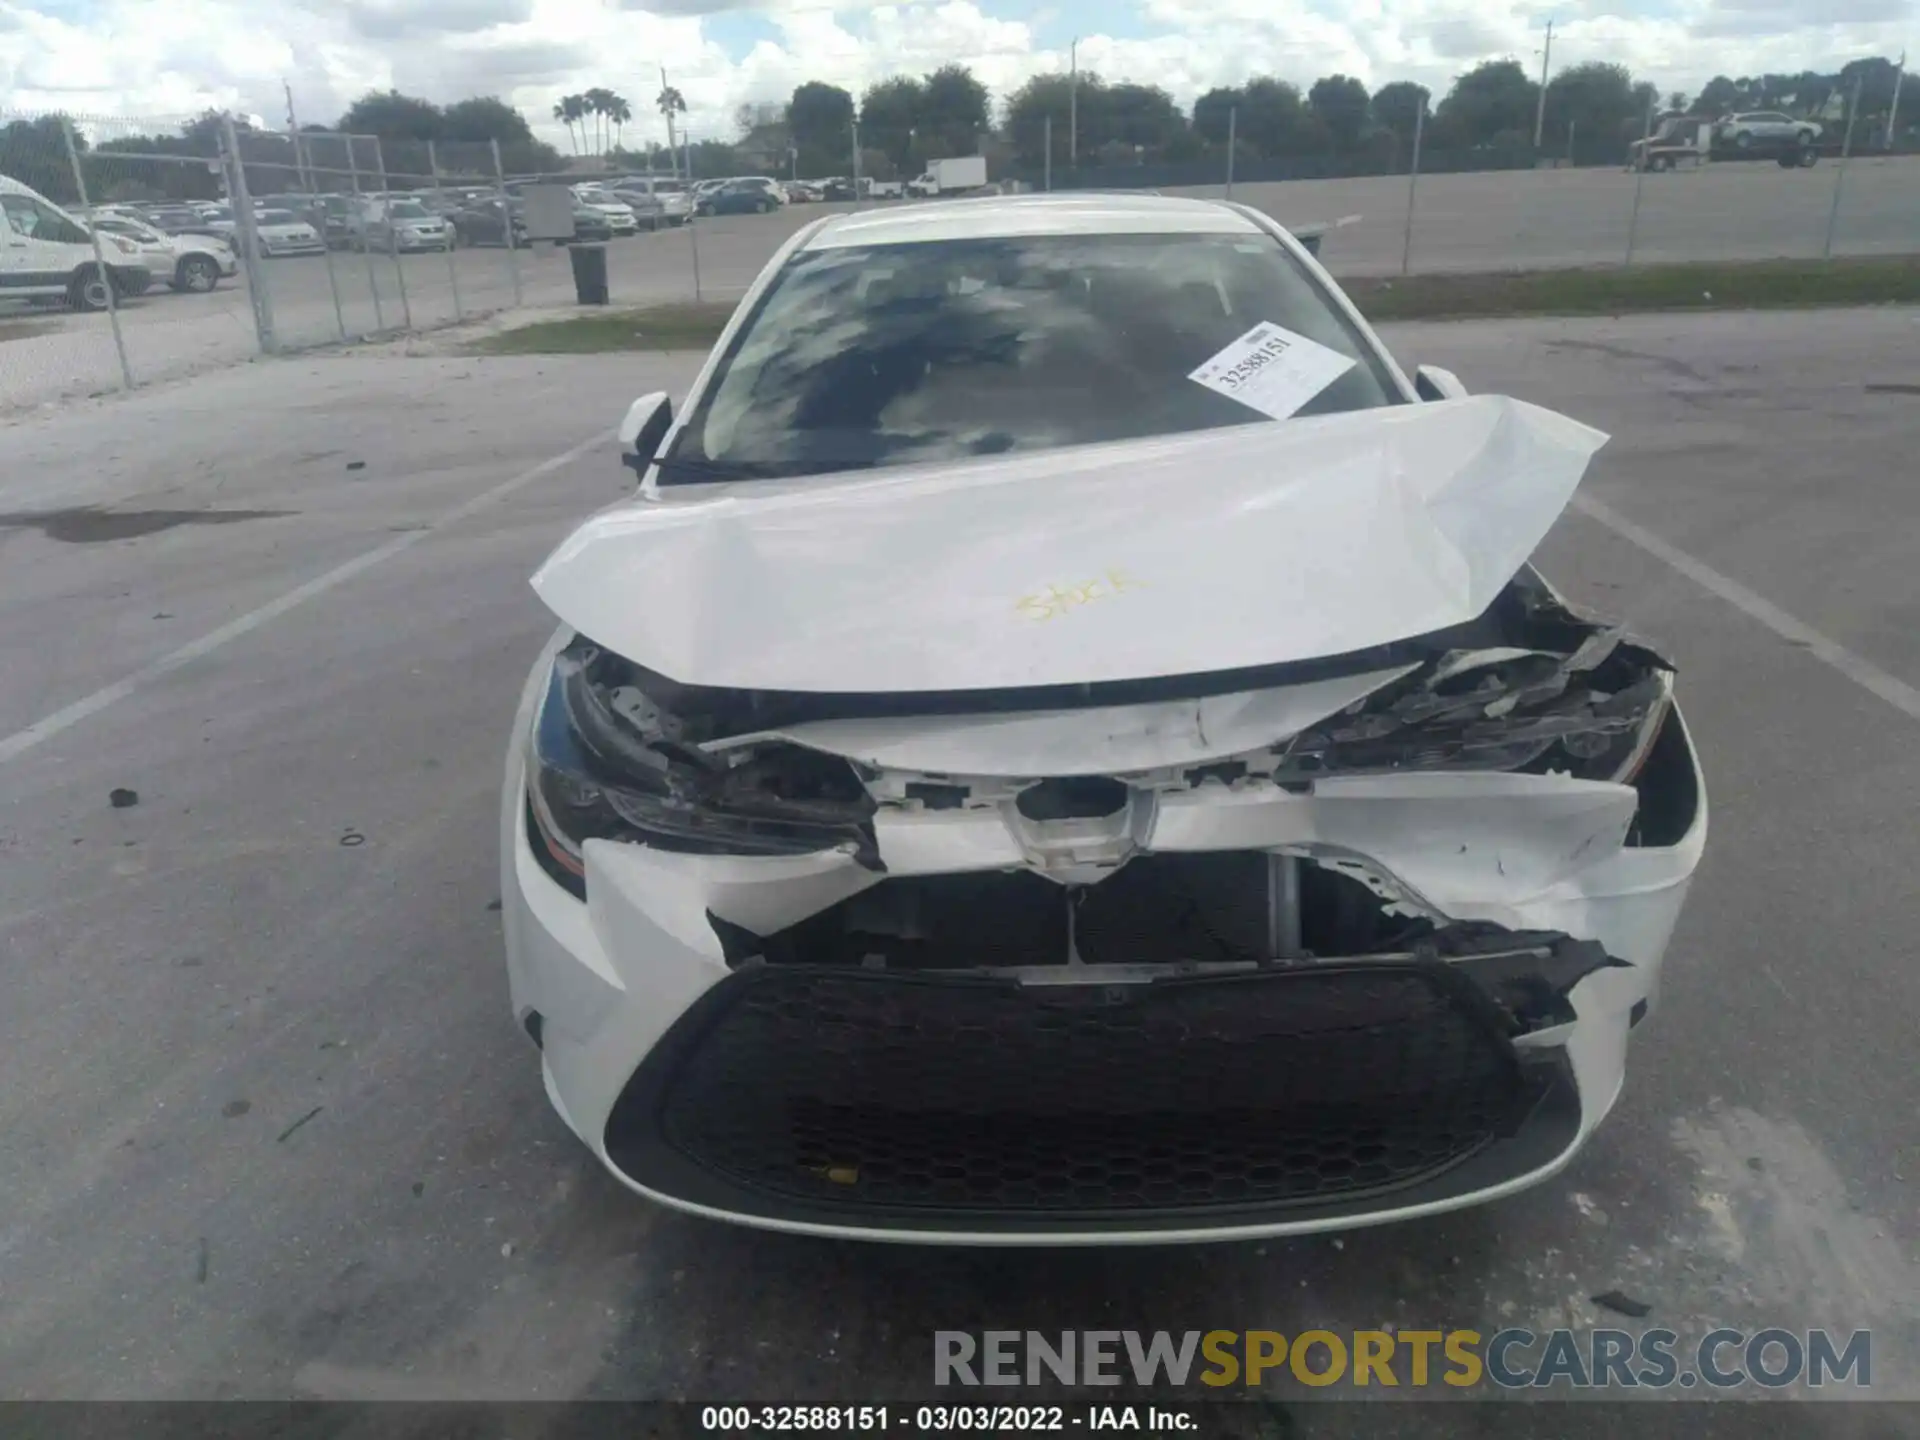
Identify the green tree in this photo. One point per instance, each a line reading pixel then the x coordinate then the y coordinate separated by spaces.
pixel 1142 119
pixel 670 102
pixel 1718 97
pixel 619 115
pixel 953 112
pixel 890 112
pixel 1210 113
pixel 1492 98
pixel 1040 99
pixel 392 116
pixel 34 152
pixel 571 110
pixel 820 118
pixel 1271 116
pixel 1396 106
pixel 483 118
pixel 1594 100
pixel 1339 103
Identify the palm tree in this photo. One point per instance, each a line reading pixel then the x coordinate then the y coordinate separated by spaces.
pixel 597 100
pixel 572 110
pixel 620 112
pixel 671 103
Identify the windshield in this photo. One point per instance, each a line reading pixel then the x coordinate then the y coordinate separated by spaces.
pixel 408 210
pixel 889 355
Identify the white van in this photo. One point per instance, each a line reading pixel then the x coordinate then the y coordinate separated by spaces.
pixel 47 254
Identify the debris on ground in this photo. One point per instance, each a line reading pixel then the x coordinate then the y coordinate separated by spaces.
pixel 1622 1304
pixel 298 1123
pixel 123 799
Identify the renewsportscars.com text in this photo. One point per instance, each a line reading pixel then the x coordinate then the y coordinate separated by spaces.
pixel 1414 1359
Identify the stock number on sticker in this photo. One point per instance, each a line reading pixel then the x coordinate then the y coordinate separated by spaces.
pixel 990 1418
pixel 756 1418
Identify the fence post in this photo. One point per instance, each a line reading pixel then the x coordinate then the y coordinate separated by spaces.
pixel 506 219
pixel 453 270
pixel 243 221
pixel 693 218
pixel 1840 172
pixel 1413 185
pixel 1233 131
pixel 357 232
pixel 1639 180
pixel 853 129
pixel 1047 167
pixel 305 165
pixel 393 234
pixel 99 256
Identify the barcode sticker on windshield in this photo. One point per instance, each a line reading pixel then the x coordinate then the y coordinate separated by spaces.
pixel 1273 370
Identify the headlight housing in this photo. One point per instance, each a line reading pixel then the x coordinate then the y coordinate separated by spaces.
pixel 605 762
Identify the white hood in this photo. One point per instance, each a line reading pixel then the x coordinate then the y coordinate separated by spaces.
pixel 1219 550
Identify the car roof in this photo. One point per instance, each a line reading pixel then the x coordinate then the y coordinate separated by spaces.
pixel 1009 215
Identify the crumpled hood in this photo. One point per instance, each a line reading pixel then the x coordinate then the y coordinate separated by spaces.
pixel 1253 545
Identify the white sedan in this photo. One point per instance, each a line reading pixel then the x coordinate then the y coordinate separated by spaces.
pixel 1067 746
pixel 282 232
pixel 184 262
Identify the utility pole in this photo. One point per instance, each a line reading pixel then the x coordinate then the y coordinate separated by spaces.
pixel 1893 106
pixel 1540 112
pixel 293 137
pixel 1073 105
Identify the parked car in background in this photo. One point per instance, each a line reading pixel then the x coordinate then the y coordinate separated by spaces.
pixel 590 222
pixel 663 202
pixel 45 253
pixel 182 262
pixel 1764 127
pixel 803 192
pixel 618 215
pixel 490 222
pixel 748 195
pixel 180 220
pixel 281 232
pixel 218 219
pixel 838 187
pixel 406 226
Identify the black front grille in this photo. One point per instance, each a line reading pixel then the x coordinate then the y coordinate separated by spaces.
pixel 977 1095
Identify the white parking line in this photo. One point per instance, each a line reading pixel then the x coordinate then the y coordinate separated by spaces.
pixel 18 743
pixel 1863 672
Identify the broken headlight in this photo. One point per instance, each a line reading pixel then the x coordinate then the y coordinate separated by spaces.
pixel 1593 713
pixel 605 763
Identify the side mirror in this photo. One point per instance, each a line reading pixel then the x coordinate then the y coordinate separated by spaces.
pixel 1430 382
pixel 648 420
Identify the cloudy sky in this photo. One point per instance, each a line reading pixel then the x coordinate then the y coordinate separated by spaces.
pixel 170 58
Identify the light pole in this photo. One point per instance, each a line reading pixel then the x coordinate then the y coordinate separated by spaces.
pixel 1540 110
pixel 1073 104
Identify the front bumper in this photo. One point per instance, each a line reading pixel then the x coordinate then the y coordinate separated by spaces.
pixel 985 1108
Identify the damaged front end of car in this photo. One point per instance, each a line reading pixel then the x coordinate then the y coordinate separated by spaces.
pixel 1331 940
pixel 1313 978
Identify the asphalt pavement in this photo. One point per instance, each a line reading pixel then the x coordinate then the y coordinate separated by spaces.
pixel 1485 220
pixel 266 1126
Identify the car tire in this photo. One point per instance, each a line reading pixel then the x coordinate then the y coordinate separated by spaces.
pixel 1660 162
pixel 1743 141
pixel 196 274
pixel 87 291
pixel 765 207
pixel 1808 156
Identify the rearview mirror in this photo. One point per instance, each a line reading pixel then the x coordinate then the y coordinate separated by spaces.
pixel 1430 382
pixel 648 420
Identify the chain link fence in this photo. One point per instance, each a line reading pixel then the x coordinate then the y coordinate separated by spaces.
pixel 224 242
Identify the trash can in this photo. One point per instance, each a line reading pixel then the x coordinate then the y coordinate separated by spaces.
pixel 589 273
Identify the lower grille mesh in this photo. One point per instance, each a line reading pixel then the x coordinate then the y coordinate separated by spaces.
pixel 980 1094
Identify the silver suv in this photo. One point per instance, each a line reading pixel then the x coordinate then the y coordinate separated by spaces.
pixel 1744 131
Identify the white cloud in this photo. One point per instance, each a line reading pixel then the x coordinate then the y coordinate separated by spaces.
pixel 160 59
